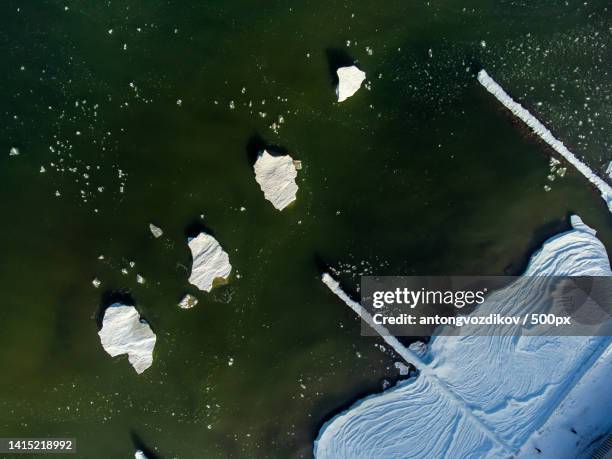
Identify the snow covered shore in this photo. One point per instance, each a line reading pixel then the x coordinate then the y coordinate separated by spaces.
pixel 276 176
pixel 210 262
pixel 124 332
pixel 492 396
pixel 539 129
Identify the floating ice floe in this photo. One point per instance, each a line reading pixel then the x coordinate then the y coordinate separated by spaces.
pixel 276 177
pixel 492 396
pixel 349 81
pixel 540 130
pixel 188 302
pixel 402 368
pixel 124 332
pixel 156 231
pixel 140 455
pixel 96 282
pixel 210 262
pixel 14 151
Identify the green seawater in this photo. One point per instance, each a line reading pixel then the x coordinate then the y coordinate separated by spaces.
pixel 421 172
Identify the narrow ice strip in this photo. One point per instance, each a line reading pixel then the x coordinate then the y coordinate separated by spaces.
pixel 124 332
pixel 494 396
pixel 540 130
pixel 210 262
pixel 276 177
pixel 399 348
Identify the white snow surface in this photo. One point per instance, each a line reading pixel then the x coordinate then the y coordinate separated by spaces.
pixel 540 130
pixel 609 169
pixel 124 332
pixel 349 81
pixel 276 177
pixel 492 396
pixel 210 262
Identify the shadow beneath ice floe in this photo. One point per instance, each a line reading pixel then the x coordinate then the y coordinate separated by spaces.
pixel 336 58
pixel 139 444
pixel 357 396
pixel 110 297
pixel 473 65
pixel 538 237
pixel 256 144
pixel 195 227
pixel 322 265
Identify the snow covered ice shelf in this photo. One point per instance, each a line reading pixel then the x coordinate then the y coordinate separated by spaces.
pixel 493 396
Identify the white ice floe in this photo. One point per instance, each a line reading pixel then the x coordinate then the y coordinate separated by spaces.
pixel 156 231
pixel 14 151
pixel 402 368
pixel 276 177
pixel 609 169
pixel 539 129
pixel 188 302
pixel 493 396
pixel 124 332
pixel 140 455
pixel 210 262
pixel 349 81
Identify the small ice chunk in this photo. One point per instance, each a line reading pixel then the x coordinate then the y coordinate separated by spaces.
pixel 210 262
pixel 276 177
pixel 156 230
pixel 140 455
pixel 419 348
pixel 14 151
pixel 124 332
pixel 403 369
pixel 349 81
pixel 96 282
pixel 140 279
pixel 188 302
pixel 42 169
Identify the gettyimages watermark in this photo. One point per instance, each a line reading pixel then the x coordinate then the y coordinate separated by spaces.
pixel 487 305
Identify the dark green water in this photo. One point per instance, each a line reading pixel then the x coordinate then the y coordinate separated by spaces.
pixel 422 174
